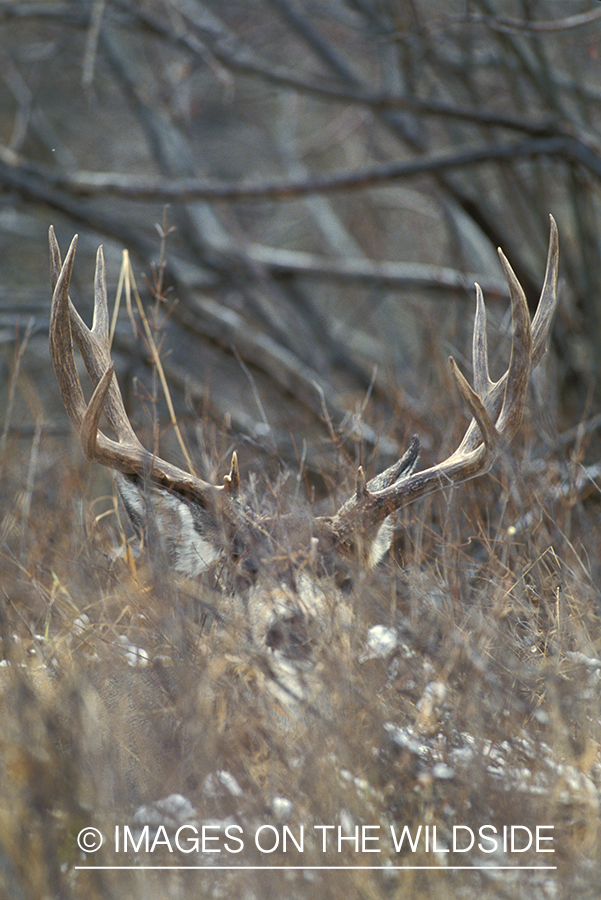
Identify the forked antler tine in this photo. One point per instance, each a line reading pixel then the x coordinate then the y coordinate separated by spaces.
pixel 94 346
pixel 126 454
pixel 496 407
pixel 384 480
pixel 541 323
pixel 493 394
pixel 529 341
pixel 504 399
pixel 477 408
pixel 403 467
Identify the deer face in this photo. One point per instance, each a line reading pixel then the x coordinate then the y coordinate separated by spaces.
pixel 285 574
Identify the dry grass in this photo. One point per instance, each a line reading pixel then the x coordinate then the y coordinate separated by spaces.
pixel 117 694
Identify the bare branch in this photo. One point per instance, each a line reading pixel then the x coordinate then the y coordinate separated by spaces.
pixel 164 189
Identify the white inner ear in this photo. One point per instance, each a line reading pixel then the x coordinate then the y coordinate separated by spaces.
pixel 381 543
pixel 192 553
pixel 178 529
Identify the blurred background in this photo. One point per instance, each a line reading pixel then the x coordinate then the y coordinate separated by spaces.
pixel 307 192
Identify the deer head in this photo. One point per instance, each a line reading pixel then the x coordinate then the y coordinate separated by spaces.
pixel 286 592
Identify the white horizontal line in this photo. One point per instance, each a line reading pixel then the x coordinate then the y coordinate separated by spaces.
pixel 315 868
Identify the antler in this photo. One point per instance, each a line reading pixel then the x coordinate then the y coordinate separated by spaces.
pixel 126 453
pixel 496 407
pixel 362 523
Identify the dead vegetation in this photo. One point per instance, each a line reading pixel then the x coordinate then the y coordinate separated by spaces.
pixel 468 696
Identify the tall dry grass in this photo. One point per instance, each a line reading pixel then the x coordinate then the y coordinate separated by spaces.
pixel 131 697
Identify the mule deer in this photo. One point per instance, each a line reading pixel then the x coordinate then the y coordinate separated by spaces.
pixel 203 525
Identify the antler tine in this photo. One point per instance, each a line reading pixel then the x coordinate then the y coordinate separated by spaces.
pixel 55 257
pixel 93 344
pixel 478 409
pixel 61 346
pixel 67 325
pixel 548 298
pixel 482 379
pixel 520 362
pixel 496 407
pixel 502 403
pixel 495 391
pixel 125 454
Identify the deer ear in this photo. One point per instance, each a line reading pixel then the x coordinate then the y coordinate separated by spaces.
pixel 188 534
pixel 381 542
